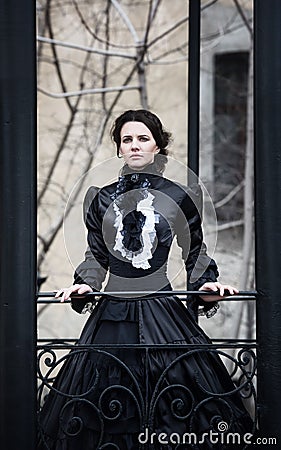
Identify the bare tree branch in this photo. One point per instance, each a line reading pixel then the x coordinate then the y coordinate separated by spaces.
pixel 87 91
pixel 157 60
pixel 228 225
pixel 58 153
pixel 84 48
pixel 230 195
pixel 224 31
pixel 106 60
pixel 162 35
pixel 244 18
pixel 106 41
pixel 166 63
pixel 126 20
pixel 211 3
pixel 56 227
pixel 140 65
pixel 54 51
pixel 53 231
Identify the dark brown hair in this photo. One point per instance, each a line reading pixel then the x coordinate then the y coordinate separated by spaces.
pixel 161 136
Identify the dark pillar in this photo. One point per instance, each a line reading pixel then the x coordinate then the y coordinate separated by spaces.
pixel 267 91
pixel 17 225
pixel 193 87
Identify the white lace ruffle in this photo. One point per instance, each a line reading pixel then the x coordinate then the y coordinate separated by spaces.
pixel 139 259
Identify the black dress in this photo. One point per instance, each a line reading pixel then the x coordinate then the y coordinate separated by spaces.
pixel 104 398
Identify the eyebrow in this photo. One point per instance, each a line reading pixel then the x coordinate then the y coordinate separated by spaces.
pixel 139 135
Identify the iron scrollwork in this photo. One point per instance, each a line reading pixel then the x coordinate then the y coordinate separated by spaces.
pixel 109 405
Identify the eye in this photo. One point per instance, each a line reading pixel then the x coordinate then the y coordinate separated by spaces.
pixel 126 140
pixel 143 139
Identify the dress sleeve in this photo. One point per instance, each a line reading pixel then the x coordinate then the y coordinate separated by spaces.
pixel 200 267
pixel 93 269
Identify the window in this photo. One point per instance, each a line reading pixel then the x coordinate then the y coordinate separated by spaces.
pixel 230 121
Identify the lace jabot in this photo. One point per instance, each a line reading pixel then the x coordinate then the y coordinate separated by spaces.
pixel 135 218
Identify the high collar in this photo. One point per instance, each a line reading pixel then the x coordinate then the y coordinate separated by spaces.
pixel 133 180
pixel 150 169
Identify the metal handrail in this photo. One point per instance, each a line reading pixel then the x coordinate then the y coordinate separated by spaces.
pixel 44 297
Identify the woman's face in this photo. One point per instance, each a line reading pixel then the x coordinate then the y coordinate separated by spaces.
pixel 138 146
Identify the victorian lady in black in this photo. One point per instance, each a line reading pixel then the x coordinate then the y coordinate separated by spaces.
pixel 139 397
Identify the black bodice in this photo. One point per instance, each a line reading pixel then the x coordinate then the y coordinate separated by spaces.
pixel 176 212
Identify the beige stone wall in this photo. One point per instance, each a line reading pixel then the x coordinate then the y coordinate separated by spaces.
pixel 167 97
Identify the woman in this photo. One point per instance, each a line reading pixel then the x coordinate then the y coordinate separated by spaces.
pixel 137 397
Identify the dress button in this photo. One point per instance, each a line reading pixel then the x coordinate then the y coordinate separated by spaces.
pixel 134 177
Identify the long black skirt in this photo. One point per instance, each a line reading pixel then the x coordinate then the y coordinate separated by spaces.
pixel 139 397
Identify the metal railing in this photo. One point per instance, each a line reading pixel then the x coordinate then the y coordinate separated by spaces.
pixel 144 396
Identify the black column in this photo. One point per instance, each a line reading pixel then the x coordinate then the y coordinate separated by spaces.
pixel 17 225
pixel 267 91
pixel 193 87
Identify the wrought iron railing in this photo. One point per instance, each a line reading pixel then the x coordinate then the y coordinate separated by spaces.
pixel 144 399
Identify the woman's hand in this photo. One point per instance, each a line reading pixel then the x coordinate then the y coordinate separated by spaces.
pixel 216 286
pixel 65 293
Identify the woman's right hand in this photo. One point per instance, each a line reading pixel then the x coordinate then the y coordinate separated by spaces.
pixel 66 293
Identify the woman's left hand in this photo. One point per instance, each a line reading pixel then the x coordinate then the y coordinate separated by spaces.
pixel 216 286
